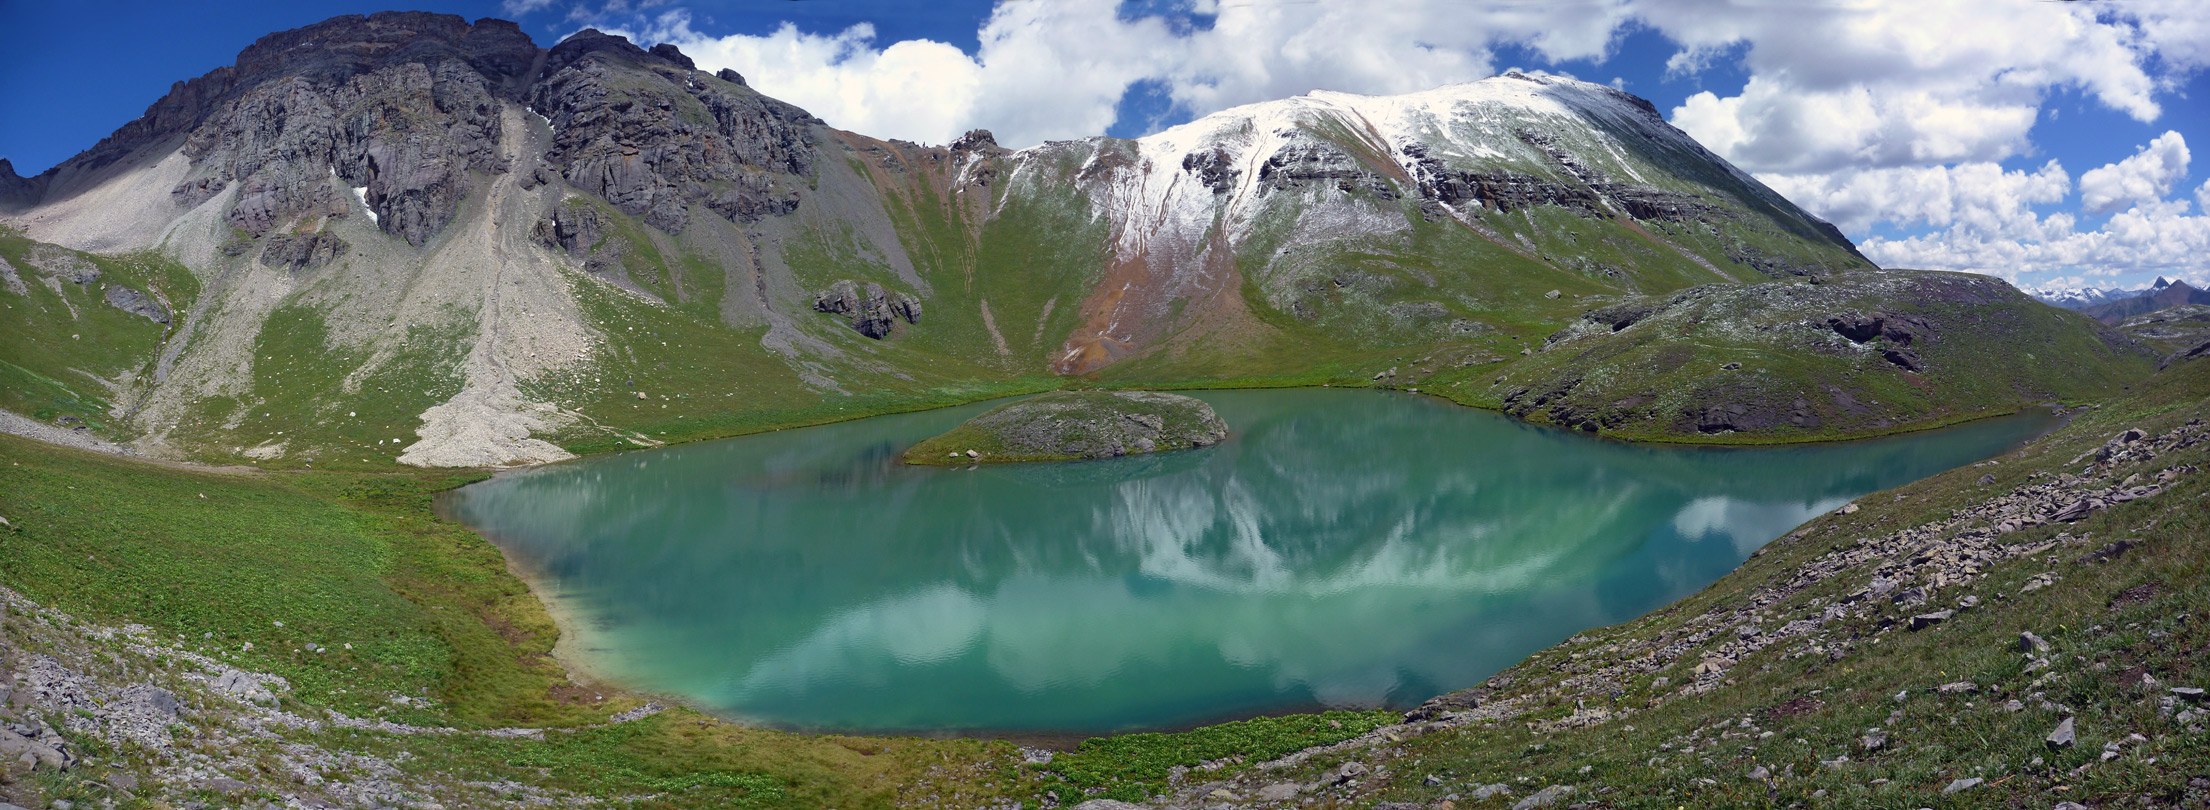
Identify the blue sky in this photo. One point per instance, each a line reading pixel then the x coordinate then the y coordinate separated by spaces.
pixel 2048 143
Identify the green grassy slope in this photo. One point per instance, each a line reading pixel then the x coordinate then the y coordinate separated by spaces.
pixel 67 352
pixel 212 562
pixel 215 561
pixel 1768 362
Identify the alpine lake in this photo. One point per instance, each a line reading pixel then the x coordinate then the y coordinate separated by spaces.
pixel 1343 549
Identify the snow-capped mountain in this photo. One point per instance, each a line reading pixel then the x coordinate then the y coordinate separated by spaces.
pixel 407 225
pixel 2084 297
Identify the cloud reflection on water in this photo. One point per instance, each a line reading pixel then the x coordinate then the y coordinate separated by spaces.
pixel 1345 548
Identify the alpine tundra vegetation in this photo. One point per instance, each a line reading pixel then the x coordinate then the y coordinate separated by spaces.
pixel 247 339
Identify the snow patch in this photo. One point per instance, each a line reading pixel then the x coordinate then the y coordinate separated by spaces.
pixel 362 195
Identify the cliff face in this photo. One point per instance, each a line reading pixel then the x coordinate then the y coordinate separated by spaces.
pixel 498 246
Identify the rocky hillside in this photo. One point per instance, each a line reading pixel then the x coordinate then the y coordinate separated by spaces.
pixel 406 238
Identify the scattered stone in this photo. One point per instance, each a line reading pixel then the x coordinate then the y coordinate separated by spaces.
pixel 1760 773
pixel 2192 694
pixel 2062 737
pixel 1553 294
pixel 1962 784
pixel 1875 739
pixel 1986 479
pixel 1925 620
pixel 243 686
pixel 17 747
pixel 1345 772
pixel 2028 642
pixel 1958 688
pixel 1108 804
pixel 1487 792
pixel 1278 792
pixel 1544 797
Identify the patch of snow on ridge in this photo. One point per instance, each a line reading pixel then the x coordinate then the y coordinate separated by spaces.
pixel 362 195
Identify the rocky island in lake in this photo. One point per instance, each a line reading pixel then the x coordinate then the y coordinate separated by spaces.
pixel 1074 425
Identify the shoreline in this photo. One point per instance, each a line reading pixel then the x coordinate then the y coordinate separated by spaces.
pixel 584 663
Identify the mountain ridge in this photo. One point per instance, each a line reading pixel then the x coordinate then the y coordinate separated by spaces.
pixel 405 224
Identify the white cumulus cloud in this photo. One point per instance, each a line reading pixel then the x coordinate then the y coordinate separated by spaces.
pixel 2143 178
pixel 1979 197
pixel 1890 84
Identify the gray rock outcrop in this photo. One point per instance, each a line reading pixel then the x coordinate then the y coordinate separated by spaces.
pixel 302 252
pixel 136 303
pixel 643 131
pixel 400 105
pixel 869 308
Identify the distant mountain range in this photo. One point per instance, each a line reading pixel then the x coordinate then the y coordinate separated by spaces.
pixel 2162 295
pixel 2084 298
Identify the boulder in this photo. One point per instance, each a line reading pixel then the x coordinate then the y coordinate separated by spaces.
pixel 1925 620
pixel 2063 737
pixel 242 686
pixel 136 303
pixel 302 252
pixel 1962 784
pixel 1486 792
pixel 1545 797
pixel 15 746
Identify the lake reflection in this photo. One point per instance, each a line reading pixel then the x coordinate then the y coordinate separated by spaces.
pixel 1342 549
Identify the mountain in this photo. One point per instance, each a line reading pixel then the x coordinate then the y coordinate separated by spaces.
pixel 407 237
pixel 2077 298
pixel 2162 295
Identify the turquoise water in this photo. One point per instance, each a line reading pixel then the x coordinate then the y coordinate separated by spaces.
pixel 1341 549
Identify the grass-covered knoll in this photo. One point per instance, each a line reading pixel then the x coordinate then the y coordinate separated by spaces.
pixel 1069 425
pixel 1853 354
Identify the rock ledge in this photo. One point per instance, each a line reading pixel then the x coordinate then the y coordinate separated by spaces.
pixel 1074 425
